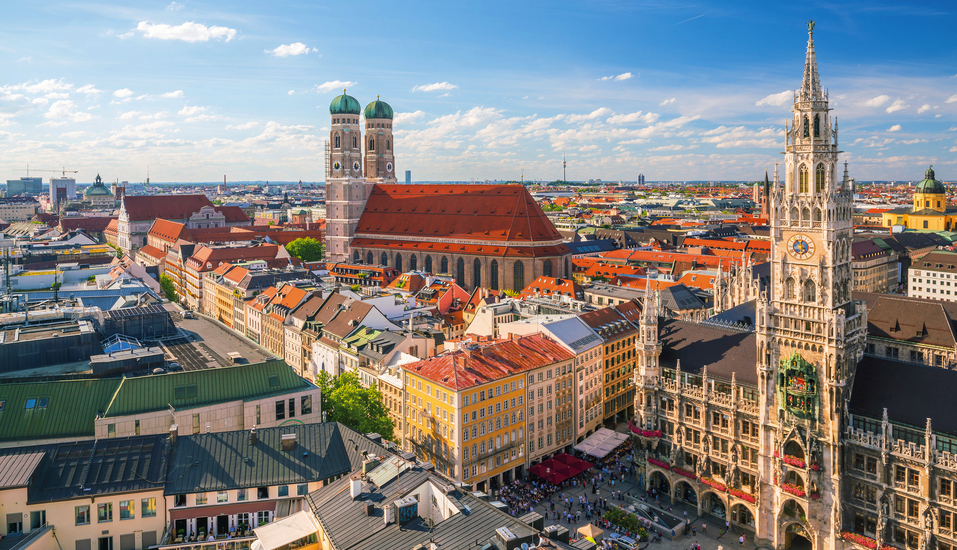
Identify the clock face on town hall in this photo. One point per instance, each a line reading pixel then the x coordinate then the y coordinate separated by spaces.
pixel 801 247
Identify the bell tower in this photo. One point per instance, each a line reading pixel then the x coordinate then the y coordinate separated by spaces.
pixel 346 190
pixel 379 156
pixel 810 333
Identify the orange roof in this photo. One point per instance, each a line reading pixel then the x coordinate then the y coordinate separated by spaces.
pixel 169 231
pixel 151 252
pixel 170 207
pixel 236 274
pixel 548 286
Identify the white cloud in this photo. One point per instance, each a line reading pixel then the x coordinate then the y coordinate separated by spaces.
pixel 122 93
pixel 175 6
pixel 73 135
pixel 40 101
pixel 155 116
pixel 191 110
pixel 597 113
pixel 88 90
pixel 897 106
pixel 125 35
pixel 42 87
pixel 894 128
pixel 951 99
pixel 667 101
pixel 923 109
pixel 644 118
pixel 434 87
pixel 129 115
pixel 776 100
pixel 178 94
pixel 335 85
pixel 673 147
pixel 65 110
pixel 204 118
pixel 285 50
pixel 187 32
pixel 404 118
pixel 57 95
pixel 246 126
pixel 877 101
pixel 622 76
pixel 291 92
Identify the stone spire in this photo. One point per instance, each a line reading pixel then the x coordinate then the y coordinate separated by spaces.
pixel 811 85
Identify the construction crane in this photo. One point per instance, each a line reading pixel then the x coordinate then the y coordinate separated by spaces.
pixel 63 170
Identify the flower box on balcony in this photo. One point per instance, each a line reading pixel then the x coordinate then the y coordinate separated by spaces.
pixel 794 461
pixel 866 542
pixel 659 463
pixel 682 471
pixel 794 489
pixel 742 495
pixel 713 484
pixel 816 467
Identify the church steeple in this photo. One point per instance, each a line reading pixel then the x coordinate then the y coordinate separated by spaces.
pixel 811 85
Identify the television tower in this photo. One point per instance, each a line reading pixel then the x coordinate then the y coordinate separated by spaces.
pixel 564 164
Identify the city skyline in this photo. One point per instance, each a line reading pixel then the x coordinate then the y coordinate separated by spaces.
pixel 695 92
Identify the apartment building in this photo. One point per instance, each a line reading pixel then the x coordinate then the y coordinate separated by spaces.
pixel 551 410
pixel 619 359
pixel 934 276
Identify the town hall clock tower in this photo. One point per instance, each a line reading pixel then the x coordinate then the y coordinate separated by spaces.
pixel 810 333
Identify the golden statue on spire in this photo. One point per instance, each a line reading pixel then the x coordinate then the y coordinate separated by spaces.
pixel 810 25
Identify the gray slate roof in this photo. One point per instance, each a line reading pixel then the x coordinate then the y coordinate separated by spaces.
pixel 18 465
pixel 217 461
pixel 697 345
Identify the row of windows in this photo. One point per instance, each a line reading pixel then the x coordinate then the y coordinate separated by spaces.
pixel 104 511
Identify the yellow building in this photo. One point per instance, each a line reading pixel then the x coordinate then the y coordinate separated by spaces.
pixel 930 209
pixel 466 409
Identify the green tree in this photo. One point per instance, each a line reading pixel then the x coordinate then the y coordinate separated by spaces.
pixel 166 285
pixel 306 249
pixel 362 409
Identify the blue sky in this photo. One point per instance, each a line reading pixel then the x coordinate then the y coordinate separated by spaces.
pixel 483 90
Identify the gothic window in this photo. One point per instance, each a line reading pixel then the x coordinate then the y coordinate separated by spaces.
pixel 809 291
pixel 817 126
pixel 384 259
pixel 444 265
pixel 356 256
pixel 386 145
pixel 819 179
pixel 789 289
pixel 372 144
pixel 355 143
pixel 369 258
pixel 518 276
pixel 493 275
pixel 413 263
pixel 807 127
pixel 817 215
pixel 476 273
pixel 428 264
pixel 802 179
pixel 337 141
pixel 460 272
pixel 547 268
pixel 398 262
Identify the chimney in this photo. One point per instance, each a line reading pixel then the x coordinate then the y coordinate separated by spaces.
pixel 355 488
pixel 173 432
pixel 253 437
pixel 288 442
pixel 387 514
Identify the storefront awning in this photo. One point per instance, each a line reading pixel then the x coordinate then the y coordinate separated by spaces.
pixel 289 529
pixel 602 442
pixel 226 509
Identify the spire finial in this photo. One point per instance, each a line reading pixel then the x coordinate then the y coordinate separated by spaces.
pixel 811 85
pixel 810 26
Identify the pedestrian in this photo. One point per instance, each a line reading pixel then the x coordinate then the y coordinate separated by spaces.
pixel 694 531
pixel 741 540
pixel 704 528
pixel 686 515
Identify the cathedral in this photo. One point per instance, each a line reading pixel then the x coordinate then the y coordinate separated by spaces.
pixel 827 424
pixel 493 236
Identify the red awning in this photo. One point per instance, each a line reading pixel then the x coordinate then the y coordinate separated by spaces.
pixel 224 509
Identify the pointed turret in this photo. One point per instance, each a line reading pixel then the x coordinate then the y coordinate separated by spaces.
pixel 811 85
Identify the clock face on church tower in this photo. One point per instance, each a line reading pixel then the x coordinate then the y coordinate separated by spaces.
pixel 801 247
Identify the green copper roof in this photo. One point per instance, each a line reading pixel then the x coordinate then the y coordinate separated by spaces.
pixel 930 184
pixel 344 105
pixel 378 109
pixel 56 409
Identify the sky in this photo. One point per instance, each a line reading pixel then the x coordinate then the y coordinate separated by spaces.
pixel 676 90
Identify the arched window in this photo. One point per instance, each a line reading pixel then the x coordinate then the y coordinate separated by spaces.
pixel 817 126
pixel 384 259
pixel 819 179
pixel 810 294
pixel 817 215
pixel 337 141
pixel 355 142
pixel 372 144
pixel 547 268
pixel 398 262
pixel 356 256
pixel 428 264
pixel 413 263
pixel 493 275
pixel 386 145
pixel 518 276
pixel 444 265
pixel 460 272
pixel 789 289
pixel 476 273
pixel 807 127
pixel 802 179
pixel 370 259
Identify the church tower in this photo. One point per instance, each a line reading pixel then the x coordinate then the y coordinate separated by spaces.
pixel 346 189
pixel 810 333
pixel 380 160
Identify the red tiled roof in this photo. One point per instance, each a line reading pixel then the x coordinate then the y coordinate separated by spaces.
pixel 236 274
pixel 473 212
pixel 169 231
pixel 170 207
pixel 472 249
pixel 206 258
pixel 547 286
pixel 86 223
pixel 233 214
pixel 606 317
pixel 113 227
pixel 151 252
pixel 464 369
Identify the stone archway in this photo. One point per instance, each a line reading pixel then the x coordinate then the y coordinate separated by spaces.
pixel 658 480
pixel 742 516
pixel 685 492
pixel 713 503
pixel 797 537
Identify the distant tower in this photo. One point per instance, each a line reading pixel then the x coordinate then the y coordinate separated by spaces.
pixel 408 177
pixel 380 161
pixel 564 166
pixel 346 190
pixel 641 180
